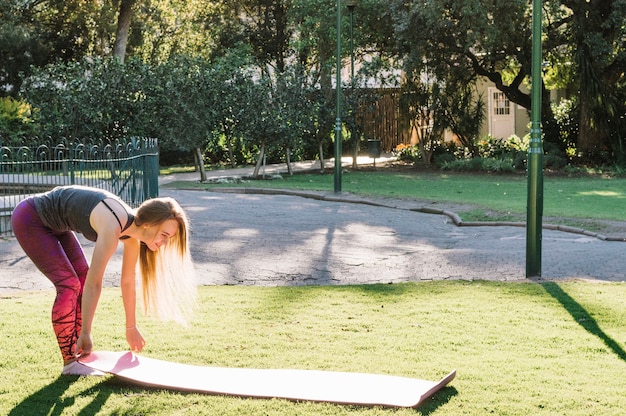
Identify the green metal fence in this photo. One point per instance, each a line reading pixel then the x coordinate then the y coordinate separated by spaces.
pixel 129 168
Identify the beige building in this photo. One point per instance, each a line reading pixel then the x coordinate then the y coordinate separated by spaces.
pixel 504 118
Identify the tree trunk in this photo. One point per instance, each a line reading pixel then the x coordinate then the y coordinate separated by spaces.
pixel 255 174
pixel 198 156
pixel 322 164
pixel 231 154
pixel 420 126
pixel 229 146
pixel 355 147
pixel 288 157
pixel 587 136
pixel 196 163
pixel 123 26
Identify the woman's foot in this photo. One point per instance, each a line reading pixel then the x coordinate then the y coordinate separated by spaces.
pixel 77 369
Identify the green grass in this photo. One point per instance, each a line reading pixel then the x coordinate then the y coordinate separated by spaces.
pixel 518 348
pixel 593 197
pixel 552 348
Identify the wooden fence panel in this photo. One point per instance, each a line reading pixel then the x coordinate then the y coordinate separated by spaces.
pixel 382 120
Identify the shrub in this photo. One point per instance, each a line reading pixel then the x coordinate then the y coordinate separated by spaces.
pixel 502 148
pixel 407 153
pixel 480 164
pixel 566 116
pixel 554 158
pixel 441 152
pixel 441 159
pixel 16 121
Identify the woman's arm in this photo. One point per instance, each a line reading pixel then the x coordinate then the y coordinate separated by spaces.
pixel 108 231
pixel 129 296
pixel 106 245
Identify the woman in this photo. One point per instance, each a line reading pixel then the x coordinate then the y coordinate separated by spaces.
pixel 156 235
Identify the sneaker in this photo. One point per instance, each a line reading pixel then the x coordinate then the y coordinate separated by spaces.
pixel 77 369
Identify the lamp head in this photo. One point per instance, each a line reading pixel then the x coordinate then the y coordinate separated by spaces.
pixel 351 4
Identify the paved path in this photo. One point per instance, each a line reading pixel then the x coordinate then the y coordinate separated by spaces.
pixel 331 239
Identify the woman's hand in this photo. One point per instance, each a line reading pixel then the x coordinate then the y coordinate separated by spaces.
pixel 84 346
pixel 135 340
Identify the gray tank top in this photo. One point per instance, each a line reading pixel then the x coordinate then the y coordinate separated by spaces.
pixel 67 208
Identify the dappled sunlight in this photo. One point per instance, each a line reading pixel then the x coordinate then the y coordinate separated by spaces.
pixel 603 193
pixel 368 234
pixel 240 232
pixel 281 240
pixel 353 253
pixel 232 241
pixel 314 242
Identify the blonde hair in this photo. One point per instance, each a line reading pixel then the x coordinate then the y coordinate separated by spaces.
pixel 167 274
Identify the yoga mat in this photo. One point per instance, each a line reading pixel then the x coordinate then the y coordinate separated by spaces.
pixel 310 385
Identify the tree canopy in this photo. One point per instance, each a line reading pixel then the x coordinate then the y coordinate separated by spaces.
pixel 455 42
pixel 584 45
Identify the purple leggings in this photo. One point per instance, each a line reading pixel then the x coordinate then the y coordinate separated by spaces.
pixel 59 256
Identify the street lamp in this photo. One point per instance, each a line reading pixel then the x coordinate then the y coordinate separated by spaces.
pixel 351 4
pixel 534 210
pixel 338 137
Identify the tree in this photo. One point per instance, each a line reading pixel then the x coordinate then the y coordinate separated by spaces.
pixel 463 113
pixel 72 29
pixel 16 122
pixel 423 100
pixel 259 121
pixel 315 46
pixel 597 47
pixel 168 28
pixel 234 79
pixel 187 92
pixel 123 26
pixel 292 111
pixel 466 39
pixel 454 41
pixel 93 98
pixel 36 33
pixel 320 116
pixel 472 37
pixel 266 27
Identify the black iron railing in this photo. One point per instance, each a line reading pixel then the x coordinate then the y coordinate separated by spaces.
pixel 129 168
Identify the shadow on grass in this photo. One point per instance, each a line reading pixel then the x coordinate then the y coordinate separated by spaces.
pixel 386 289
pixel 50 401
pixel 583 318
pixel 439 399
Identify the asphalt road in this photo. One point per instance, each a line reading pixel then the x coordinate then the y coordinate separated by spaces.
pixel 318 239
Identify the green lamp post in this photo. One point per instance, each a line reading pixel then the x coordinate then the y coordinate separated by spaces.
pixel 534 209
pixel 338 137
pixel 351 4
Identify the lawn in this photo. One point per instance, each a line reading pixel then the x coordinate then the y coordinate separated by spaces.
pixel 504 197
pixel 518 348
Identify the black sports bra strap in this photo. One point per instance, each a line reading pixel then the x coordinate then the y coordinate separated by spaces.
pixel 114 214
pixel 129 220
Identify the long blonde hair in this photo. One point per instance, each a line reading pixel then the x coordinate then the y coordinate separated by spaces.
pixel 167 274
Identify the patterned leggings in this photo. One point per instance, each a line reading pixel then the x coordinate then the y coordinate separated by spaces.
pixel 59 256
